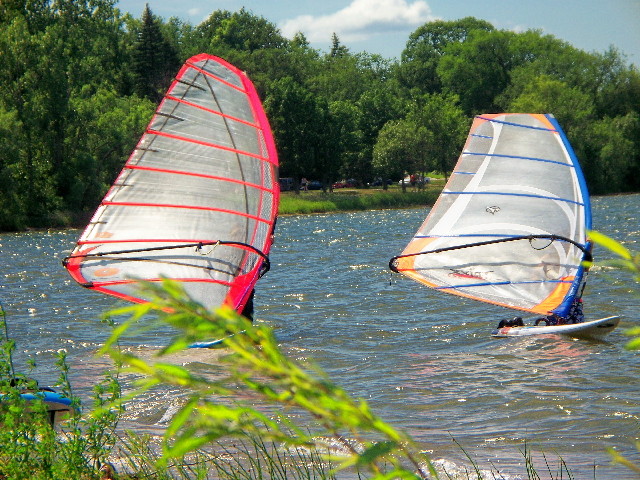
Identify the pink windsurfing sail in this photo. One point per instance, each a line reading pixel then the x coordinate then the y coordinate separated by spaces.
pixel 197 199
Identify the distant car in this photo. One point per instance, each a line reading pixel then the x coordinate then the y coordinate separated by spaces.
pixel 286 184
pixel 419 178
pixel 314 185
pixel 349 183
pixel 377 182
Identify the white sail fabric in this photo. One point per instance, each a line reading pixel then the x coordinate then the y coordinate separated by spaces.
pixel 510 225
pixel 196 201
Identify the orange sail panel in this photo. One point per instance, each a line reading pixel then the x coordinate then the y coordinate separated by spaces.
pixel 197 199
pixel 510 226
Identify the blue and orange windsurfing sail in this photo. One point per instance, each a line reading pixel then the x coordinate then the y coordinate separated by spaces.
pixel 510 226
pixel 196 201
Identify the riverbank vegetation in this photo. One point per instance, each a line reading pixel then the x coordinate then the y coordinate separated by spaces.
pixel 81 81
pixel 357 199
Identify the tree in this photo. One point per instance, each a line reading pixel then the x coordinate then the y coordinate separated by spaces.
pixel 477 70
pixel 241 30
pixel 337 49
pixel 442 117
pixel 346 141
pixel 427 45
pixel 299 124
pixel 609 154
pixel 378 105
pixel 403 146
pixel 154 59
pixel 106 130
pixel 572 107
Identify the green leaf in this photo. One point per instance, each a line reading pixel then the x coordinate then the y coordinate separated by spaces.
pixel 609 243
pixel 371 454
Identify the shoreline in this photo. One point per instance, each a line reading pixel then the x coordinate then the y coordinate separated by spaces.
pixel 317 202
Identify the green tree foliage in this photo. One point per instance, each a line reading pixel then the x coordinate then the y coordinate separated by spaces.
pixel 154 59
pixel 427 45
pixel 442 116
pixel 345 142
pixel 403 147
pixel 74 72
pixel 299 120
pixel 571 106
pixel 477 70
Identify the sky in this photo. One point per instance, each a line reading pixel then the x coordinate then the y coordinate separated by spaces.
pixel 384 26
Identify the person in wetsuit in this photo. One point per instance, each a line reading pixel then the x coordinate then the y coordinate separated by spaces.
pixel 247 311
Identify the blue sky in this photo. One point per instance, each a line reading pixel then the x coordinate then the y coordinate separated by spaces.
pixel 383 26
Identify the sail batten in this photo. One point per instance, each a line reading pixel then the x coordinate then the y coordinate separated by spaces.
pixel 519 188
pixel 187 207
pixel 477 192
pixel 204 174
pixel 194 174
pixel 519 157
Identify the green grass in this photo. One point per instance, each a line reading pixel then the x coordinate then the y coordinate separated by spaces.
pixel 355 200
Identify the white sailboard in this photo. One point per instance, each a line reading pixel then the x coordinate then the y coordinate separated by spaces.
pixel 510 226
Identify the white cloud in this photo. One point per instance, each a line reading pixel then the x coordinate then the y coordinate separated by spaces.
pixel 360 20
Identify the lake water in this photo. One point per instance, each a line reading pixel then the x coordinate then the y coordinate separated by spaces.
pixel 425 361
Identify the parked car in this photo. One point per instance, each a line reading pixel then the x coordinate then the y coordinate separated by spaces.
pixel 349 183
pixel 377 182
pixel 314 185
pixel 419 178
pixel 286 184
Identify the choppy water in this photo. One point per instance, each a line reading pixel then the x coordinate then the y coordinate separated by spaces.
pixel 424 361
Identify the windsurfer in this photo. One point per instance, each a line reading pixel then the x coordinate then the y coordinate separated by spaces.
pixel 551 319
pixel 514 322
pixel 247 311
pixel 576 315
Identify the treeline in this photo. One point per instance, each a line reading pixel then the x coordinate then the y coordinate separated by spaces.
pixel 80 81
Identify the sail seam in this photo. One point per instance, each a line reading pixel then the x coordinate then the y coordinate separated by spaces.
pixel 188 207
pixel 536 159
pixel 567 200
pixel 156 279
pixel 513 124
pixel 489 284
pixel 215 77
pixel 214 112
pixel 199 175
pixel 206 144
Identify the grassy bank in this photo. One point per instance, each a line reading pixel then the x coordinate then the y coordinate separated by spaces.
pixel 356 199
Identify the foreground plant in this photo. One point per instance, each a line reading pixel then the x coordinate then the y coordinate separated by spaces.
pixel 31 448
pixel 629 262
pixel 626 261
pixel 259 373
